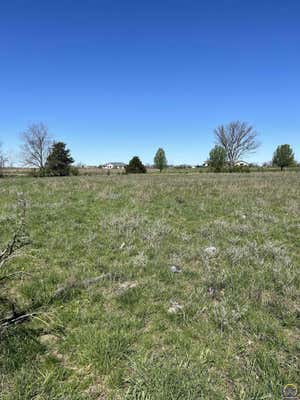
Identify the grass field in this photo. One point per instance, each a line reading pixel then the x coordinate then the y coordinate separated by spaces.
pixel 225 327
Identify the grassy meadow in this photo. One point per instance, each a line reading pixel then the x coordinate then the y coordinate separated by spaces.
pixel 225 327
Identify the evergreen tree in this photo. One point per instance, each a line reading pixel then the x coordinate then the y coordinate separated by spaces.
pixel 284 156
pixel 160 160
pixel 217 158
pixel 135 166
pixel 59 160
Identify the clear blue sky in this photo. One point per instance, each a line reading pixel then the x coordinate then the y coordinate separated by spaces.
pixel 117 78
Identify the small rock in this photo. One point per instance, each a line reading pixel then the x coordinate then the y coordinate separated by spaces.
pixel 48 339
pixel 211 251
pixel 179 200
pixel 175 308
pixel 211 291
pixel 123 287
pixel 175 269
pixel 244 216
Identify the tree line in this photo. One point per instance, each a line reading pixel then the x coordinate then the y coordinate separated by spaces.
pixel 233 141
pixel 45 156
pixel 239 139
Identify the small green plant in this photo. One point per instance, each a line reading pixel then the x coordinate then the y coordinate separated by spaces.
pixel 74 171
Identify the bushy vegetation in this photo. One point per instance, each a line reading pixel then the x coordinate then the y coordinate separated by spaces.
pixel 114 322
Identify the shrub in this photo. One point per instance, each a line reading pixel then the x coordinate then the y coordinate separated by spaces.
pixel 37 173
pixel 239 168
pixel 74 171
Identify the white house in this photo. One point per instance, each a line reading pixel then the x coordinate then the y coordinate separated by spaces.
pixel 108 166
pixel 242 164
pixel 117 165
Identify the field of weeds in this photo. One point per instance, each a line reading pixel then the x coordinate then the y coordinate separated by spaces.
pixel 179 287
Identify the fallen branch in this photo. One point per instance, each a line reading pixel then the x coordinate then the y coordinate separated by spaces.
pixel 61 291
pixel 19 240
pixel 2 278
pixel 14 320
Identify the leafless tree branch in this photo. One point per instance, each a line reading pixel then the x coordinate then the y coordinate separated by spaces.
pixel 3 159
pixel 19 240
pixel 238 139
pixel 36 145
pixel 14 319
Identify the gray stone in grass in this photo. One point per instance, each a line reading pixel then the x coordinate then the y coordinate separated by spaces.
pixel 211 251
pixel 175 269
pixel 48 339
pixel 175 307
pixel 211 291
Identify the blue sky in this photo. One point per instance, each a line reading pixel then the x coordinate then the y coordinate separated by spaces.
pixel 116 78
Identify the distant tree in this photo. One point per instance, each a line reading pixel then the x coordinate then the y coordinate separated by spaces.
pixel 3 160
pixel 267 164
pixel 135 166
pixel 160 160
pixel 59 160
pixel 284 156
pixel 238 139
pixel 217 158
pixel 36 145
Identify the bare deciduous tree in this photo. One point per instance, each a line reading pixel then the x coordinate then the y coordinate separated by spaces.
pixel 3 159
pixel 238 139
pixel 36 145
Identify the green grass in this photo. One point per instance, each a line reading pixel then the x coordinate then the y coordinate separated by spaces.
pixel 237 333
